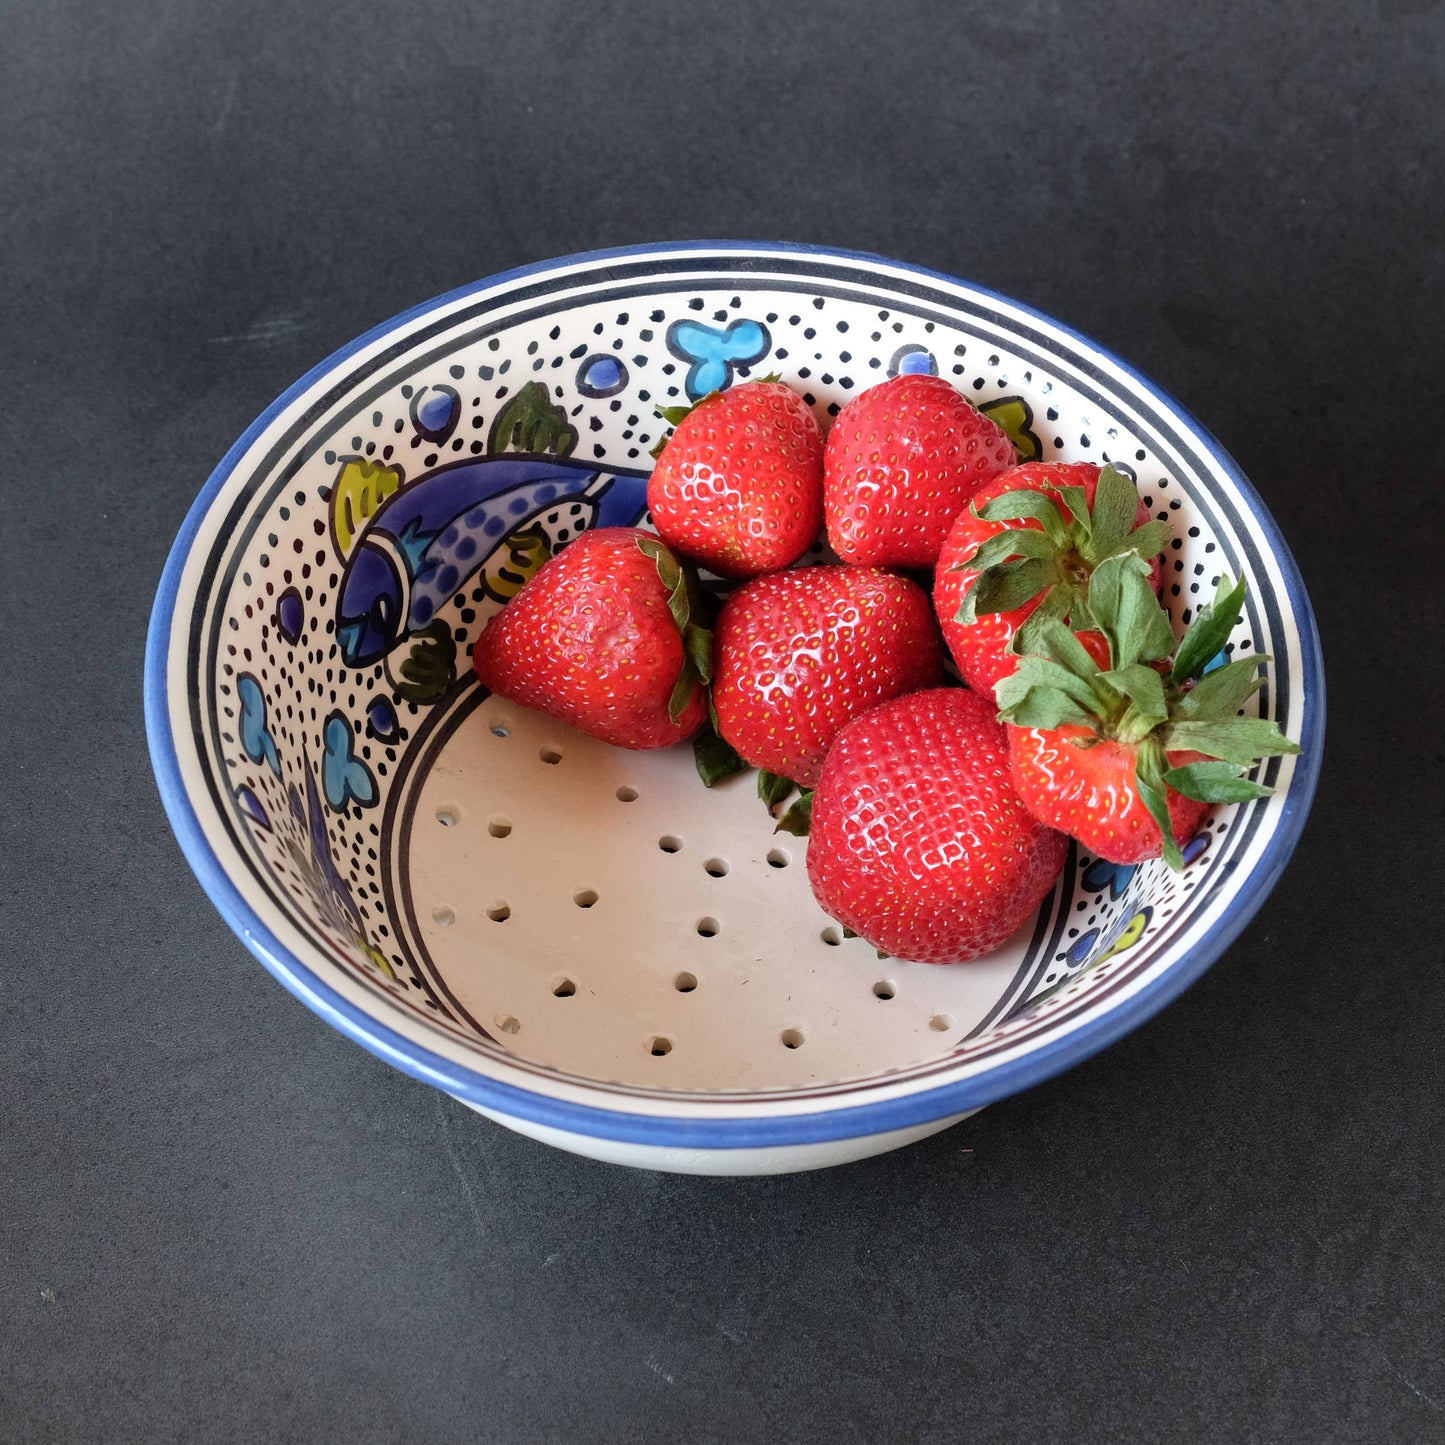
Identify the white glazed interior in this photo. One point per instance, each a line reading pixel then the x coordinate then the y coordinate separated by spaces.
pixel 570 1002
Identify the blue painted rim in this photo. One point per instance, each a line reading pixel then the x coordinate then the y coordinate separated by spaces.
pixel 1043 1062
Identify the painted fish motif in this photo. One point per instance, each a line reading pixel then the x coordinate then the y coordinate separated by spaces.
pixel 427 538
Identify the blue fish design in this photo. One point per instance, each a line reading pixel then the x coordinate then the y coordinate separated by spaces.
pixel 429 537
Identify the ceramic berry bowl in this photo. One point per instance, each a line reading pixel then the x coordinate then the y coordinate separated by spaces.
pixel 581 942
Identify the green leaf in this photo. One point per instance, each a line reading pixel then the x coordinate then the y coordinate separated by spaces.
pixel 1148 541
pixel 1081 619
pixel 1209 631
pixel 674 415
pixel 799 818
pixel 1053 608
pixel 1076 500
pixel 773 788
pixel 1127 612
pixel 1116 504
pixel 1015 506
pixel 1043 694
pixel 1145 690
pixel 680 581
pixel 849 933
pixel 1214 783
pixel 697 644
pixel 1149 773
pixel 1012 542
pixel 682 690
pixel 1034 706
pixel 715 758
pixel 1061 645
pixel 1220 694
pixel 683 599
pixel 1241 740
pixel 669 570
pixel 1011 584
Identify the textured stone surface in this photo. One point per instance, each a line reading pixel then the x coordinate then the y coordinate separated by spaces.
pixel 219 1220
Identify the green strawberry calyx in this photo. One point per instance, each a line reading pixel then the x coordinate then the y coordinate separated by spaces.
pixel 714 757
pixel 1188 705
pixel 1019 563
pixel 685 602
pixel 774 789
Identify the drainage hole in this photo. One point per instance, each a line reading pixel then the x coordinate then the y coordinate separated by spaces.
pixel 499 827
pixel 669 843
pixel 708 927
pixel 792 1038
pixel 884 989
pixel 777 858
pixel 685 982
pixel 658 1047
pixel 716 867
pixel 626 795
pixel 501 728
pixel 940 1023
pixel 443 917
pixel 564 989
pixel 550 755
pixel 831 936
pixel 447 815
pixel 507 1024
pixel 500 911
pixel 585 897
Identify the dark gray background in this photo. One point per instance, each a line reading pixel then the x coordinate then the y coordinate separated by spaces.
pixel 220 1220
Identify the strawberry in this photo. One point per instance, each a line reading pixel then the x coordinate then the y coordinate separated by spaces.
pixel 1025 547
pixel 602 638
pixel 1128 756
pixel 800 653
pixel 902 460
pixel 919 842
pixel 739 484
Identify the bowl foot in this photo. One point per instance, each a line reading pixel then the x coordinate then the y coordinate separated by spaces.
pixel 774 1159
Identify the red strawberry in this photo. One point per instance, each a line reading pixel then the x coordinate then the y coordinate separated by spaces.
pixel 602 638
pixel 739 485
pixel 919 842
pixel 1128 757
pixel 903 459
pixel 1093 792
pixel 800 653
pixel 1071 516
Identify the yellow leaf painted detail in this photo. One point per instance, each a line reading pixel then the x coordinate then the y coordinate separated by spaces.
pixel 1133 932
pixel 1015 416
pixel 515 563
pixel 360 489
